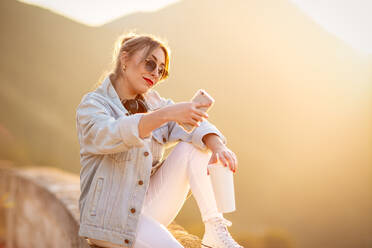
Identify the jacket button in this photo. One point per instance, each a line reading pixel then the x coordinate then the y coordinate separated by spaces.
pixel 146 153
pixel 164 139
pixel 140 182
pixel 133 210
pixel 126 241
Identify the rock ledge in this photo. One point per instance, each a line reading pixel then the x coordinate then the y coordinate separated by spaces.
pixel 39 208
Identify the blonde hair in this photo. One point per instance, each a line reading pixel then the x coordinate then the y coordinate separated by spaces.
pixel 131 42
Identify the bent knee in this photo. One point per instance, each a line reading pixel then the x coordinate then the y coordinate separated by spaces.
pixel 189 146
pixel 185 145
pixel 192 150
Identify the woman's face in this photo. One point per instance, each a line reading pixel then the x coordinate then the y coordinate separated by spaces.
pixel 139 79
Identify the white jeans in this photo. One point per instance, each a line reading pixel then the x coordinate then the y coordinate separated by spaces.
pixel 184 168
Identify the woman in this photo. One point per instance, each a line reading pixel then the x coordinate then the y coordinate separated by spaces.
pixel 128 194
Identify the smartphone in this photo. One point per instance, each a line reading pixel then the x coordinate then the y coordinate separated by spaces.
pixel 201 96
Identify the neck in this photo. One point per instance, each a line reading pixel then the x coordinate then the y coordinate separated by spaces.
pixel 123 88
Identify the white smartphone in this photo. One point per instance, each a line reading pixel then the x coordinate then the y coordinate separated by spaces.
pixel 201 96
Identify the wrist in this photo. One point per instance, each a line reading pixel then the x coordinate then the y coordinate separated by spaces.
pixel 164 115
pixel 216 146
pixel 212 141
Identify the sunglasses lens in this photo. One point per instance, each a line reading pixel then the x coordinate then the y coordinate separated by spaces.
pixel 150 65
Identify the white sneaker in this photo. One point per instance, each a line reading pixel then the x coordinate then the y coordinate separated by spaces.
pixel 216 234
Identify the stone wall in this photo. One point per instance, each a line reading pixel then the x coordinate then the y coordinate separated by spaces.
pixel 39 208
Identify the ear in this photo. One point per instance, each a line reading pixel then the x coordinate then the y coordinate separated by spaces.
pixel 123 57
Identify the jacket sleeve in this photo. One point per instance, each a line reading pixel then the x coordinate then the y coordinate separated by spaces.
pixel 176 132
pixel 100 133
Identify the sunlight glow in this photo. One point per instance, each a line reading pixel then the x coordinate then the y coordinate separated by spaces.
pixel 97 13
pixel 349 20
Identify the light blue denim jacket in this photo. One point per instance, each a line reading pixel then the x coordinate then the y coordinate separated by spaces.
pixel 116 162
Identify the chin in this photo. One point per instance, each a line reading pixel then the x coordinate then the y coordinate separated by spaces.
pixel 143 90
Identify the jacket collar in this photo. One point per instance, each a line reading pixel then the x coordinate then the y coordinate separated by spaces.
pixel 107 90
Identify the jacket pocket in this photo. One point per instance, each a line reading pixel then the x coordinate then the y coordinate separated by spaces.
pixel 96 196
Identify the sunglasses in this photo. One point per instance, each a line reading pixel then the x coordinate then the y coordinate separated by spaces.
pixel 150 66
pixel 137 105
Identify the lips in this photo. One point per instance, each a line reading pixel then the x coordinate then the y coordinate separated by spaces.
pixel 149 81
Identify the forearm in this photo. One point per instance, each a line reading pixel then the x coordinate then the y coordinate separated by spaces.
pixel 151 121
pixel 212 141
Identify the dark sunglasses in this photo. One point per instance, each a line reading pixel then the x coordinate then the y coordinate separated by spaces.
pixel 150 66
pixel 137 105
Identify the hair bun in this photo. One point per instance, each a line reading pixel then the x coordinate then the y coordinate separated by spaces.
pixel 125 39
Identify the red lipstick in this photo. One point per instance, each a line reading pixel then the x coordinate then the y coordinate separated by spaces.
pixel 149 81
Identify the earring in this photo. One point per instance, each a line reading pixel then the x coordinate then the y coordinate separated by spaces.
pixel 124 67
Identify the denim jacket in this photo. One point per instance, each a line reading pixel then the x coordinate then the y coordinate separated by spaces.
pixel 116 162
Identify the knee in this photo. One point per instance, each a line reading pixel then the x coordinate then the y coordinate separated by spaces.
pixel 185 145
pixel 190 148
pixel 192 151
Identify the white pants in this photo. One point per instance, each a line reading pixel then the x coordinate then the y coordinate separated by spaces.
pixel 184 168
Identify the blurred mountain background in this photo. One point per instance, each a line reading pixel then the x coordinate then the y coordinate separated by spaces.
pixel 294 102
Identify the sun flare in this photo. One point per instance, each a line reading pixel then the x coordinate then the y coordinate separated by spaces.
pixel 350 21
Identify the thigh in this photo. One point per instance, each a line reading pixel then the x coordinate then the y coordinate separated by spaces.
pixel 152 234
pixel 169 186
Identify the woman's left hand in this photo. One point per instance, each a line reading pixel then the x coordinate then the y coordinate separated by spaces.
pixel 225 155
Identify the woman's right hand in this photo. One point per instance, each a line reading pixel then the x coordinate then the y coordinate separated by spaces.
pixel 186 112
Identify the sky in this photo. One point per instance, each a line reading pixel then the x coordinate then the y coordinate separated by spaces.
pixel 96 12
pixel 349 20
